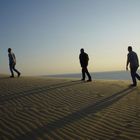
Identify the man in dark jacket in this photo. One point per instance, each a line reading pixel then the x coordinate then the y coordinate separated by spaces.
pixel 133 62
pixel 83 57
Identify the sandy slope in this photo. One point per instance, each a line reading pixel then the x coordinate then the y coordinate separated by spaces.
pixel 67 109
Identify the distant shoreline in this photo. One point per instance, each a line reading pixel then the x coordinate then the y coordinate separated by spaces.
pixel 110 75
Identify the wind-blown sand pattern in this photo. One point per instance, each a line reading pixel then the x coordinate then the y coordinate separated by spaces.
pixel 68 109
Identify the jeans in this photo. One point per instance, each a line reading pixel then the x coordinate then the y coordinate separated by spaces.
pixel 134 75
pixel 12 68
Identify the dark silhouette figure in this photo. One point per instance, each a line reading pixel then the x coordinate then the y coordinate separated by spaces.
pixel 133 62
pixel 12 63
pixel 84 63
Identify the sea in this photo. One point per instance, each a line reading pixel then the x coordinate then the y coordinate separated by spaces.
pixel 110 75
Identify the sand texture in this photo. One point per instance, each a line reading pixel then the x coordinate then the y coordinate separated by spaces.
pixel 68 109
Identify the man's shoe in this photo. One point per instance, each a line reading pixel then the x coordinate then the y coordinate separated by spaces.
pixel 89 80
pixel 19 74
pixel 82 79
pixel 11 76
pixel 133 85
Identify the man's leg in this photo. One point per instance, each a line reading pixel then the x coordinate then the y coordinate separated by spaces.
pixel 83 73
pixel 89 77
pixel 136 75
pixel 16 70
pixel 133 75
pixel 11 69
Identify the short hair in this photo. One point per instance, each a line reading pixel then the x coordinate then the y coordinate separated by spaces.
pixel 130 48
pixel 82 49
pixel 9 49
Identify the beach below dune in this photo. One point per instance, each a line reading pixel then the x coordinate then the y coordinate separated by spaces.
pixel 34 108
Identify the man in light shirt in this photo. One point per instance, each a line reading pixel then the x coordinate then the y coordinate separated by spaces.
pixel 133 62
pixel 12 63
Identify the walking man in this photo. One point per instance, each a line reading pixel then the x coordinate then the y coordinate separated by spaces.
pixel 133 62
pixel 83 57
pixel 12 63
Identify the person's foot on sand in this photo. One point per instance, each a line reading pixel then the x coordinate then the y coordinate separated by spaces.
pixel 12 76
pixel 89 80
pixel 19 74
pixel 132 85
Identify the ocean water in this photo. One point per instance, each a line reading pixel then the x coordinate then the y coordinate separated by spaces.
pixel 113 75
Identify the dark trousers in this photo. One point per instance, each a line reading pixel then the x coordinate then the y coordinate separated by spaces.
pixel 84 72
pixel 12 68
pixel 134 75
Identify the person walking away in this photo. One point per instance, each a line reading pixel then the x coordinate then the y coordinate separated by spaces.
pixel 12 63
pixel 133 62
pixel 83 57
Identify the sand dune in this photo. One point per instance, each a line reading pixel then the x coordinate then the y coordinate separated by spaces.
pixel 67 109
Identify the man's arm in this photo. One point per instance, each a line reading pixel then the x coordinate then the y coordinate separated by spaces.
pixel 80 59
pixel 14 58
pixel 137 59
pixel 87 58
pixel 127 63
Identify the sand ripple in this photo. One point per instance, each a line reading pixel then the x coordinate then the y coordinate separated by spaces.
pixel 57 109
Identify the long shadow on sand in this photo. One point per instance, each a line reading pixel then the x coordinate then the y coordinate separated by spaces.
pixel 57 124
pixel 38 90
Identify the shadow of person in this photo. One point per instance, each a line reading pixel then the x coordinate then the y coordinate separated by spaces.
pixel 78 115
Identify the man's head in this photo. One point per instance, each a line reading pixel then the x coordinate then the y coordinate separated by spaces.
pixel 9 50
pixel 129 48
pixel 82 50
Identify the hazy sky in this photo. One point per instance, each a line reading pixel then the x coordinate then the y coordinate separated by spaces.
pixel 46 35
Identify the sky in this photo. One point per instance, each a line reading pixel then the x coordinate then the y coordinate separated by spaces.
pixel 47 35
